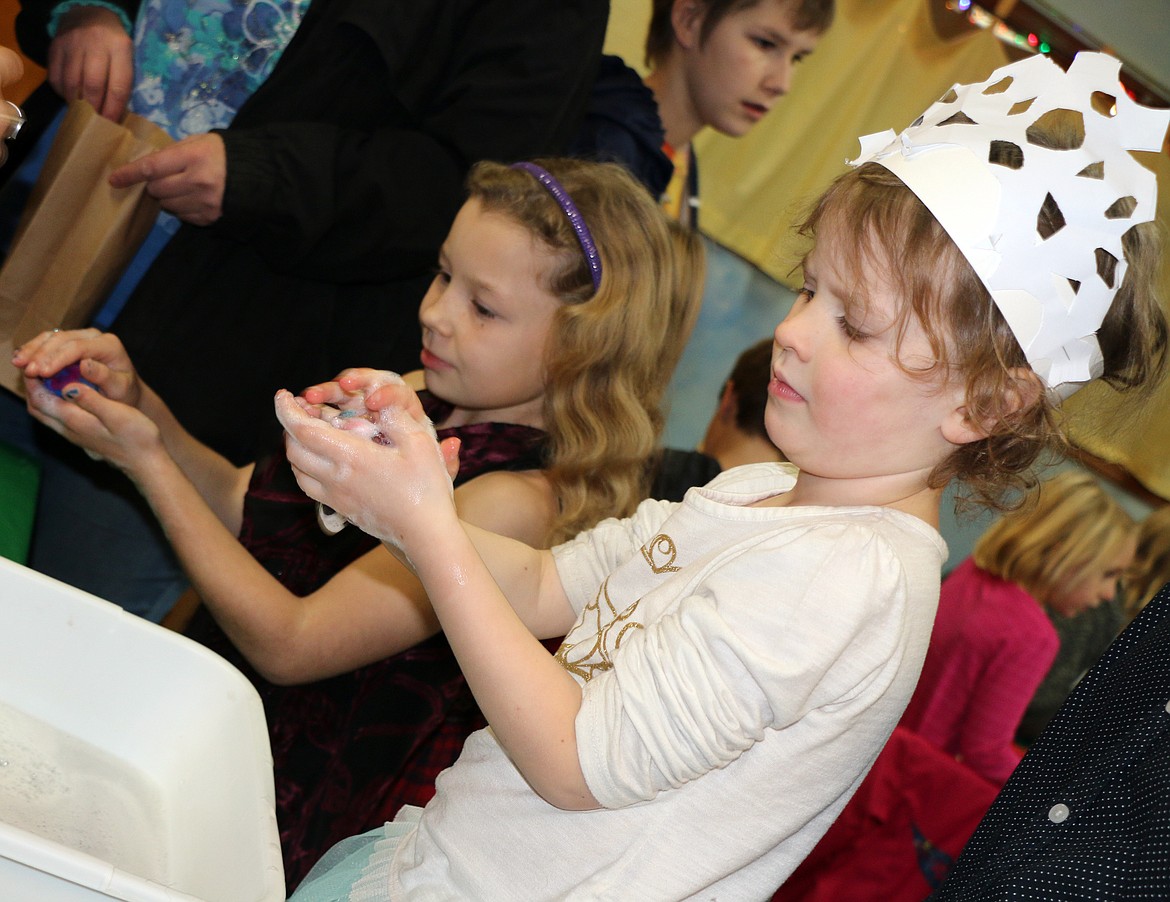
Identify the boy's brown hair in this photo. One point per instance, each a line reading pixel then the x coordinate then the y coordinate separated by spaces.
pixel 749 379
pixel 808 15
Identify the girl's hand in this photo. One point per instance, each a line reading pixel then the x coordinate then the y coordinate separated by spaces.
pixel 397 489
pixel 343 402
pixel 107 429
pixel 102 358
pixel 349 389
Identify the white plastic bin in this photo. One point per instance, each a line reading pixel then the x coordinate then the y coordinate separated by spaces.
pixel 134 763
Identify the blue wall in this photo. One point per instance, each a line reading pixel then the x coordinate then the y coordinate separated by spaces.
pixel 741 305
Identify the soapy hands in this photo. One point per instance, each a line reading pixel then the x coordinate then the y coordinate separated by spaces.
pixel 363 446
pixel 342 402
pixel 346 409
pixel 103 417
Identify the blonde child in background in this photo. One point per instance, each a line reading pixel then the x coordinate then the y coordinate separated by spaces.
pixel 549 376
pixel 733 663
pixel 1064 551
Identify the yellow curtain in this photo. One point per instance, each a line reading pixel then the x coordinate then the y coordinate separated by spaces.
pixel 1113 427
pixel 880 65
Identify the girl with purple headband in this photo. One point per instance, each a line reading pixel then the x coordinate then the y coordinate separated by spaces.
pixel 556 315
pixel 733 663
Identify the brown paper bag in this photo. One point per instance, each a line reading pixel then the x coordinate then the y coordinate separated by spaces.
pixel 77 234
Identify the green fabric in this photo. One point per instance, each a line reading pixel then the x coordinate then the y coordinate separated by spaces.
pixel 19 477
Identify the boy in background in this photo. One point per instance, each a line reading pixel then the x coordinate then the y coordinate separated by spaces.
pixel 718 63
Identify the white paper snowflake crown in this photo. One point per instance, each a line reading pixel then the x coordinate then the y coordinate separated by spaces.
pixel 1047 286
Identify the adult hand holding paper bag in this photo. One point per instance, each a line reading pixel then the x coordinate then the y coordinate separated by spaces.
pixel 78 233
pixel 187 178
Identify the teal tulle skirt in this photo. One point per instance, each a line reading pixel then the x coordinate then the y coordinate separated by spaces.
pixel 357 869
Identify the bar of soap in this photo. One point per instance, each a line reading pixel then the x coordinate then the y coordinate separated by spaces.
pixel 67 376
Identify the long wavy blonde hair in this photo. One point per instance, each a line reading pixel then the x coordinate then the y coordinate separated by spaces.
pixel 611 352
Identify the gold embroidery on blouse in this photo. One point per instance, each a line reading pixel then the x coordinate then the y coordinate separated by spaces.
pixel 586 659
pixel 590 659
pixel 661 546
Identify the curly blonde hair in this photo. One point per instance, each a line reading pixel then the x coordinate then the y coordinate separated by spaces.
pixel 878 223
pixel 611 352
pixel 1068 526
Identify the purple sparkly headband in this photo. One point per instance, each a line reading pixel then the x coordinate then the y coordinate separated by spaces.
pixel 576 220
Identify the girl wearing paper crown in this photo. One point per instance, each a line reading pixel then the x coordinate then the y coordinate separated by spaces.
pixel 733 663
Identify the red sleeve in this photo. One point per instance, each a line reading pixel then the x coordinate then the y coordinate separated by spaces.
pixel 1020 661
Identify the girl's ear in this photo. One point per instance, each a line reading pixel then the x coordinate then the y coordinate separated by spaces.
pixel 1023 392
pixel 958 429
pixel 687 18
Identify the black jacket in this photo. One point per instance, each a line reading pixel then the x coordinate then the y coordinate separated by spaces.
pixel 622 125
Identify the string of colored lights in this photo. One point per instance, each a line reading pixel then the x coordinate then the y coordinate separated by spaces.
pixel 981 18
pixel 1059 46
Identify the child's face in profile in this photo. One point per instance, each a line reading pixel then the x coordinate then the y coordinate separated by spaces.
pixel 745 65
pixel 485 320
pixel 1096 586
pixel 839 403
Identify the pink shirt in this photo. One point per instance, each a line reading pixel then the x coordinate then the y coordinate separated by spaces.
pixel 991 647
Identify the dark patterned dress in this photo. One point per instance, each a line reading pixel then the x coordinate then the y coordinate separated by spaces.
pixel 349 751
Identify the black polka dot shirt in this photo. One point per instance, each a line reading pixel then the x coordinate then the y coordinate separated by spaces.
pixel 1086 815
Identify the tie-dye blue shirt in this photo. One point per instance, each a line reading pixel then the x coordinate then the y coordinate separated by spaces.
pixel 196 63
